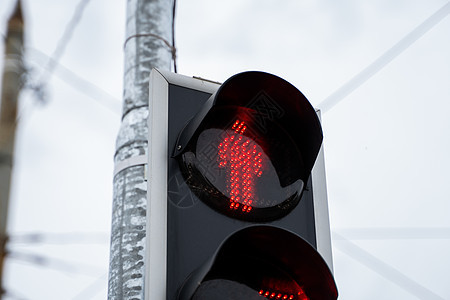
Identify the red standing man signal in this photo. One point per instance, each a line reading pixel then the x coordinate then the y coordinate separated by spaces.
pixel 242 158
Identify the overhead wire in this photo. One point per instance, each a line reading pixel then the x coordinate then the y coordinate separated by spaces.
pixel 373 68
pixel 74 80
pixel 69 77
pixel 387 271
pixel 56 264
pixel 344 244
pixel 63 238
pixel 92 289
pixel 13 295
pixel 80 84
pixel 386 233
pixel 64 40
pixel 53 60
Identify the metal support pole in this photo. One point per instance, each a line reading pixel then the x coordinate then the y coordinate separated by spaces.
pixel 147 46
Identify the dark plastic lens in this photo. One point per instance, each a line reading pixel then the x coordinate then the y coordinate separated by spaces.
pixel 247 169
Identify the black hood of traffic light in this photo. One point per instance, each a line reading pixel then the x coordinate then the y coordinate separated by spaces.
pixel 275 100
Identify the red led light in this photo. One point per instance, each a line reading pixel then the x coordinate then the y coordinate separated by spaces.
pixel 283 296
pixel 242 159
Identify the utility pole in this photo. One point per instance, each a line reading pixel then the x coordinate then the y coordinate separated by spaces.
pixel 11 85
pixel 148 44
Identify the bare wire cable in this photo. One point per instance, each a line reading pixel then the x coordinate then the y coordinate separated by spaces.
pixel 387 271
pixel 363 76
pixel 56 264
pixel 64 40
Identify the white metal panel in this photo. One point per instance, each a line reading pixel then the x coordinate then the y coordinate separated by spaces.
pixel 321 217
pixel 156 240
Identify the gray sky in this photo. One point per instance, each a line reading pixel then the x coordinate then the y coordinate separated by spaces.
pixel 386 143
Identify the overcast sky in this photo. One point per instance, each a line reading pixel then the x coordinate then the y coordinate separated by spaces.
pixel 386 143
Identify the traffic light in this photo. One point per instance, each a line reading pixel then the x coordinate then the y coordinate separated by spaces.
pixel 234 212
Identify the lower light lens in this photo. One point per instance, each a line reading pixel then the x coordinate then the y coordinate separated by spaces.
pixel 260 262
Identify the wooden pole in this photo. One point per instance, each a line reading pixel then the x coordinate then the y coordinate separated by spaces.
pixel 11 85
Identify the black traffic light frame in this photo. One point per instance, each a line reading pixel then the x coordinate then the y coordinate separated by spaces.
pixel 178 98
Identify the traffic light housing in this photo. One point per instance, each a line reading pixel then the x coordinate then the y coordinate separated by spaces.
pixel 262 260
pixel 239 212
pixel 249 152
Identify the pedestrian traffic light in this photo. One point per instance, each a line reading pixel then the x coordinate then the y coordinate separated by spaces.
pixel 234 212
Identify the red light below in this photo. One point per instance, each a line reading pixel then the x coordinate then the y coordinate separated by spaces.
pixel 278 295
pixel 241 158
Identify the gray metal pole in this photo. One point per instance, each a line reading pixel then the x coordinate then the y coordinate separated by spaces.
pixel 11 86
pixel 148 44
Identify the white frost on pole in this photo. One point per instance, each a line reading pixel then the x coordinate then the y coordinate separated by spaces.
pixel 147 46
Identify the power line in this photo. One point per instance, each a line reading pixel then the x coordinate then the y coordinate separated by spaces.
pixel 360 78
pixel 64 40
pixel 410 233
pixel 390 273
pixel 13 295
pixel 56 264
pixel 60 238
pixel 72 79
pixel 92 289
pixel 59 51
pixel 80 84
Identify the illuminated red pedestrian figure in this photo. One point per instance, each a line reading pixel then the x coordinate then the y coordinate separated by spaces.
pixel 241 157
